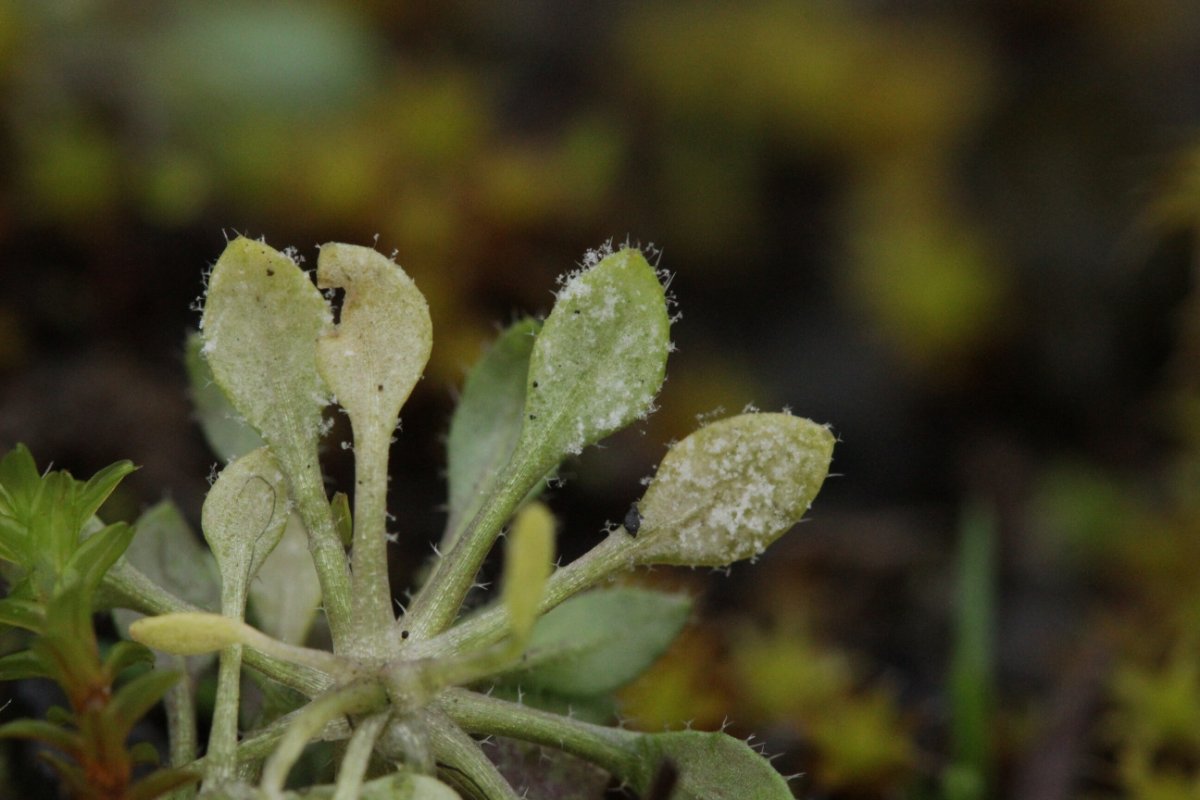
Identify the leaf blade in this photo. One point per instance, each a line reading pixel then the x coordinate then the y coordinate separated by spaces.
pixel 228 434
pixel 286 593
pixel 598 641
pixel 599 359
pixel 375 355
pixel 729 490
pixel 711 766
pixel 487 424
pixel 261 321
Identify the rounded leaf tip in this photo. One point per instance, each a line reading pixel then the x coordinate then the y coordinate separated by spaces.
pixel 729 490
pixel 187 633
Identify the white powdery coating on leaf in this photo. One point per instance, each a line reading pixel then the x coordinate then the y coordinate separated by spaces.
pixel 261 320
pixel 729 490
pixel 598 362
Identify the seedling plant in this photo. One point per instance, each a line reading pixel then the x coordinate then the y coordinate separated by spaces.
pixel 412 700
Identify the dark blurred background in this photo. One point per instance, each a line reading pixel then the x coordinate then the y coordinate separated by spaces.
pixel 960 232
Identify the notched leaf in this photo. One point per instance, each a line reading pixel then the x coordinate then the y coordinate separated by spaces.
pixel 730 489
pixel 600 358
pixel 375 355
pixel 262 318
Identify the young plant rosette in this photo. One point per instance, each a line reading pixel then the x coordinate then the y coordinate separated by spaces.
pixel 413 700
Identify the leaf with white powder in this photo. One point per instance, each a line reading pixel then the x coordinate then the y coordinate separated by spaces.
pixel 599 360
pixel 729 490
pixel 261 321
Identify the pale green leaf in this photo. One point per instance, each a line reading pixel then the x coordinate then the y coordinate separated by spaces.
pixel 598 361
pixel 375 355
pixel 166 550
pixel 487 424
pixel 261 322
pixel 286 593
pixel 243 519
pixel 709 766
pixel 227 433
pixel 597 642
pixel 729 490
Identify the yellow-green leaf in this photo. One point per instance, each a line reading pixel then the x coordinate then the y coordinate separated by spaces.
pixel 528 559
pixel 729 490
pixel 227 433
pixel 375 355
pixel 188 633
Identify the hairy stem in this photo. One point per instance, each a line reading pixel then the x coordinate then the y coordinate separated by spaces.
pixel 221 766
pixel 257 746
pixel 134 590
pixel 605 747
pixel 328 556
pixel 438 601
pixel 464 763
pixel 356 698
pixel 372 594
pixel 489 626
pixel 180 707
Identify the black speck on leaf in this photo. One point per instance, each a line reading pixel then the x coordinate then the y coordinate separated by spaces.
pixel 633 520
